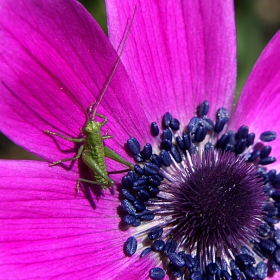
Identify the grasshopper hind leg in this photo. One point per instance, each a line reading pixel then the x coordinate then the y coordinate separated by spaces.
pixel 104 186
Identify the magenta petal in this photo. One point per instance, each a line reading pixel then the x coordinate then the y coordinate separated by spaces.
pixel 54 61
pixel 47 231
pixel 258 105
pixel 178 53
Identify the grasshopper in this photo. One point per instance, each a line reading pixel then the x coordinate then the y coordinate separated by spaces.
pixel 93 151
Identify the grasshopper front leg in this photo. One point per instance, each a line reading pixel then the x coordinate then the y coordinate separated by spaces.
pixel 78 155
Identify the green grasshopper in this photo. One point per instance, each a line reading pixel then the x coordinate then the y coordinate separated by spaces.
pixel 93 151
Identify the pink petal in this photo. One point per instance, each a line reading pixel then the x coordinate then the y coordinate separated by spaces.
pixel 258 105
pixel 47 231
pixel 55 59
pixel 178 53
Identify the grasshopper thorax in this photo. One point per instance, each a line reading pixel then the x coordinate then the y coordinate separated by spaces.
pixel 91 127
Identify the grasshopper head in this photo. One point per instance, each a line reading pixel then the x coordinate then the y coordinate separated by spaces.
pixel 91 127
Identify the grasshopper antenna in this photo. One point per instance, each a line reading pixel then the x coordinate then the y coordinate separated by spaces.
pixel 116 65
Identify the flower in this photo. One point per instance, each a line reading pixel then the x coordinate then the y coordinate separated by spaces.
pixel 55 60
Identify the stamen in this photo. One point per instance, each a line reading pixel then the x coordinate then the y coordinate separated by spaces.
pixel 204 206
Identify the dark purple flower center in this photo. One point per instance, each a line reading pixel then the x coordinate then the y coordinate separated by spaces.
pixel 205 205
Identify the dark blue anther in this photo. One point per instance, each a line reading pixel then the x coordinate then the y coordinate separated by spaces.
pixel 133 146
pixel 154 129
pixel 262 173
pixel 240 146
pixel 151 168
pixel 276 255
pixel 174 124
pixel 127 181
pixel 176 154
pixel 271 210
pixel 156 159
pixel 276 180
pixel 158 176
pixel 250 139
pixel 129 219
pixel 202 109
pixel 196 276
pixel 173 247
pixel 250 272
pixel 147 215
pixel 268 136
pixel 154 180
pixel 262 270
pixel 133 175
pixel 145 252
pixel 143 195
pixel 222 113
pixel 153 190
pixel 219 125
pixel 196 264
pixel 225 275
pixel 166 144
pixel 254 155
pixel 272 221
pixel 180 143
pixel 222 119
pixel 127 194
pixel 128 207
pixel 138 169
pixel 166 134
pixel 155 233
pixel 192 149
pixel 175 271
pixel 170 247
pixel 130 246
pixel 231 142
pixel 137 222
pixel 139 205
pixel 167 117
pixel 189 261
pixel 165 158
pixel 276 196
pixel 244 260
pixel 139 184
pixel 271 175
pixel 277 237
pixel 147 151
pixel 182 254
pixel 157 273
pixel 209 147
pixel 242 132
pixel 275 266
pixel 222 142
pixel 236 273
pixel 268 246
pixel 176 260
pixel 231 263
pixel 264 230
pixel 265 152
pixel 158 245
pixel 139 158
pixel 187 140
pixel 267 160
pixel 193 125
pixel 209 125
pixel 200 133
pixel 212 268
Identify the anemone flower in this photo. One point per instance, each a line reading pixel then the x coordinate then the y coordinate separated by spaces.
pixel 202 200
